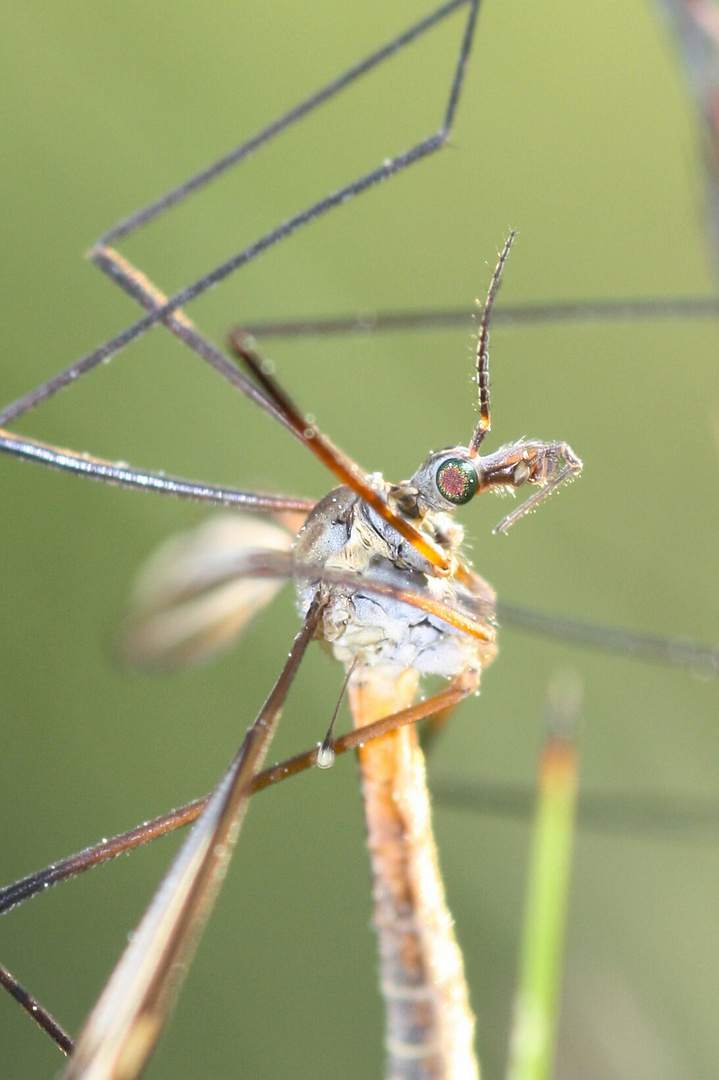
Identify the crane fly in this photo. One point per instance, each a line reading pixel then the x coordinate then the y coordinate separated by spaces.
pixel 382 581
pixel 537 565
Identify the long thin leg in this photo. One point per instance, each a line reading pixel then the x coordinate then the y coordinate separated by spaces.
pixel 681 652
pixel 616 813
pixel 270 563
pixel 113 472
pixel 289 119
pixel 125 1023
pixel 108 261
pixel 581 311
pixel 672 819
pixel 343 468
pixel 209 806
pixel 700 658
pixel 45 1020
pixel 674 652
pixel 33 884
pixel 136 285
pixel 608 813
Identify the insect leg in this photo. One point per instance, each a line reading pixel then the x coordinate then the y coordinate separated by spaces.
pixel 390 167
pixel 123 1027
pixel 45 1020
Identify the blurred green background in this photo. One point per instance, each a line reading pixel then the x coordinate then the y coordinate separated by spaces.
pixel 575 129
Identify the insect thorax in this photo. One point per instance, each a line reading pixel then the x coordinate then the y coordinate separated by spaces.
pixel 343 536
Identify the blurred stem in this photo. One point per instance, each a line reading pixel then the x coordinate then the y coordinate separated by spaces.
pixel 532 1042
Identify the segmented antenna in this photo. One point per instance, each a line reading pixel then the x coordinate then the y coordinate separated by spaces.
pixel 485 421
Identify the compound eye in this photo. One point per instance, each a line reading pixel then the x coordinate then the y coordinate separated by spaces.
pixel 457 481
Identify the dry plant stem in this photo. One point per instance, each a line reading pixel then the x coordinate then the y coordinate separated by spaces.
pixel 430 1027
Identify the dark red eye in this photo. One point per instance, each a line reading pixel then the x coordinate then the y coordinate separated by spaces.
pixel 457 481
